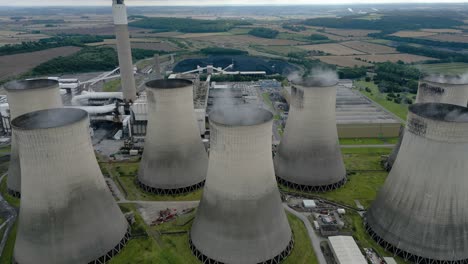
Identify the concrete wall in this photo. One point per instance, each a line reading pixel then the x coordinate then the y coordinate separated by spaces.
pixel 240 218
pixel 432 92
pixel 309 153
pixel 67 213
pixel 24 97
pixel 422 207
pixel 174 156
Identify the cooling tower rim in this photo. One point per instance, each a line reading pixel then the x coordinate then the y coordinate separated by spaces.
pixel 256 116
pixel 25 85
pixel 312 82
pixel 49 118
pixel 441 112
pixel 449 80
pixel 168 84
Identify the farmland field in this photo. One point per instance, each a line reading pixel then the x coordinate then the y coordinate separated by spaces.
pixel 370 48
pixel 350 32
pixel 148 44
pixel 407 58
pixel 15 37
pixel 442 30
pixel 243 40
pixel 444 68
pixel 26 61
pixel 450 37
pixel 279 50
pixel 344 61
pixel 333 49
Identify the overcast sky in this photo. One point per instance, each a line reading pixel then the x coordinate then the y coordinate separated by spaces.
pixel 207 2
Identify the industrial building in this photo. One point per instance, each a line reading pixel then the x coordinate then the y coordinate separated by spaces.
pixel 124 52
pixel 174 159
pixel 309 155
pixel 240 218
pixel 438 89
pixel 357 116
pixel 67 212
pixel 420 212
pixel 24 97
pixel 345 250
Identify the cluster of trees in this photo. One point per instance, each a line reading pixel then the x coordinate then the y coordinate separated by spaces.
pixel 396 77
pixel 425 42
pixel 222 51
pixel 318 37
pixel 352 72
pixel 53 42
pixel 443 56
pixel 187 25
pixel 388 23
pixel 88 59
pixel 264 33
pixel 293 27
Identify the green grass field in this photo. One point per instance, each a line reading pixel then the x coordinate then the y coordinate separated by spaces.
pixel 444 68
pixel 400 110
pixel 277 50
pixel 368 141
pixel 7 255
pixel 111 86
pixel 174 248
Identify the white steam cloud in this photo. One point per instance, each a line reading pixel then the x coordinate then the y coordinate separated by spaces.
pixel 318 77
pixel 450 79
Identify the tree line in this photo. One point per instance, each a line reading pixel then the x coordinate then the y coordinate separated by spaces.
pixel 187 25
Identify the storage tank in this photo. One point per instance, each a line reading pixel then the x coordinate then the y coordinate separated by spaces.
pixel 309 155
pixel 67 213
pixel 421 211
pixel 24 97
pixel 436 89
pixel 240 218
pixel 124 51
pixel 174 158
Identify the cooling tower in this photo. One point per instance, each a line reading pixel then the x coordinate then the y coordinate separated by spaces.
pixel 439 89
pixel 67 213
pixel 421 211
pixel 174 159
pixel 124 51
pixel 309 156
pixel 24 97
pixel 240 218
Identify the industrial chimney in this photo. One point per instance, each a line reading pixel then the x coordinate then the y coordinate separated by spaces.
pixel 309 156
pixel 124 51
pixel 421 211
pixel 67 212
pixel 240 218
pixel 24 97
pixel 435 89
pixel 174 159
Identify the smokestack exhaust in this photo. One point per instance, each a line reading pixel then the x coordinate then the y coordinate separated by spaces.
pixel 240 218
pixel 24 97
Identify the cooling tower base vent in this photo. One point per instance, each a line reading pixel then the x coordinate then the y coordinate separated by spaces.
pixel 178 191
pixel 14 193
pixel 307 188
pixel 276 260
pixel 408 256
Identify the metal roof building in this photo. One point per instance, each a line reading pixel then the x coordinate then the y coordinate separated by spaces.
pixel 345 250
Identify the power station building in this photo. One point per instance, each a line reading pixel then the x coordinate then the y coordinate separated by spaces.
pixel 67 212
pixel 174 159
pixel 24 97
pixel 124 51
pixel 240 218
pixel 439 89
pixel 309 155
pixel 421 211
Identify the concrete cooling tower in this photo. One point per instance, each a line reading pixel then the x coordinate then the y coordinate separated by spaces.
pixel 240 218
pixel 24 97
pixel 174 159
pixel 421 211
pixel 67 212
pixel 436 89
pixel 309 156
pixel 119 11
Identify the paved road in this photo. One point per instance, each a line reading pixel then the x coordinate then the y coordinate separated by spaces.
pixel 312 235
